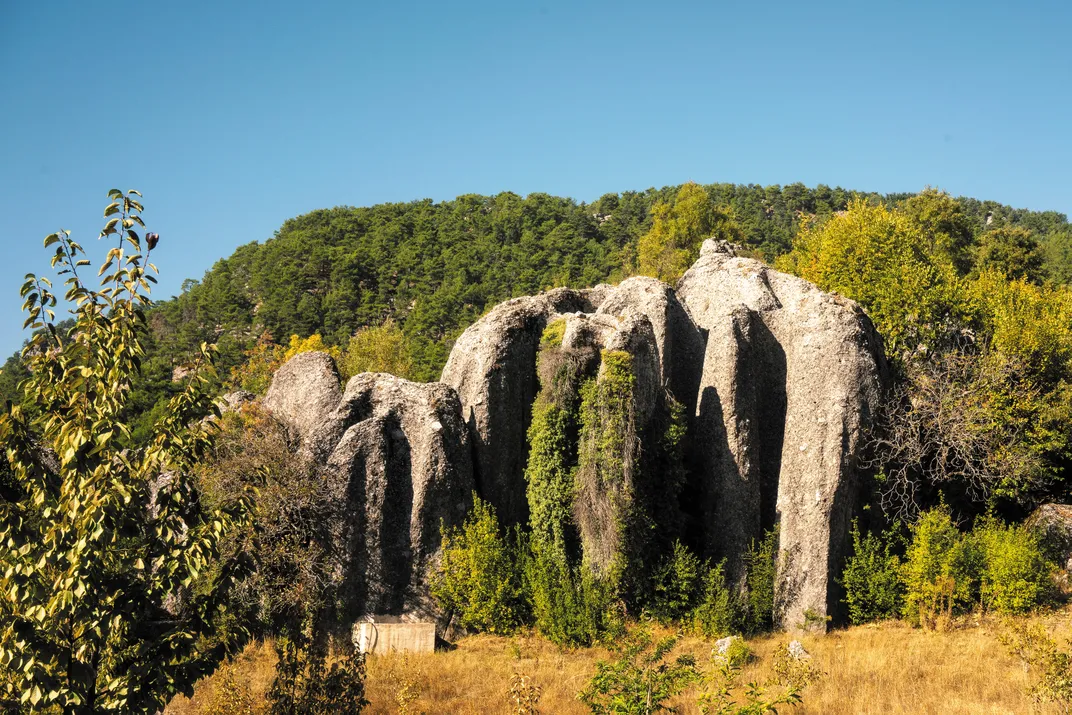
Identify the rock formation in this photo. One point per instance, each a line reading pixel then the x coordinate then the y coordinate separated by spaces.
pixel 303 392
pixel 791 378
pixel 396 459
pixel 778 381
pixel 493 368
pixel 1053 523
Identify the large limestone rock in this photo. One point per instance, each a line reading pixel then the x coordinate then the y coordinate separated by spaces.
pixel 493 368
pixel 304 391
pixel 779 381
pixel 1053 523
pixel 678 342
pixel 396 459
pixel 791 377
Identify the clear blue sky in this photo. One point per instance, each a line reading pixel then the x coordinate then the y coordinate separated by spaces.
pixel 232 116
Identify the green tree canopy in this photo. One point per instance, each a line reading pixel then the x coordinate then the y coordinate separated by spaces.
pixel 101 541
pixel 673 243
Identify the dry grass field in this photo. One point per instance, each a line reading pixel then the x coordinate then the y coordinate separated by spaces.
pixel 883 668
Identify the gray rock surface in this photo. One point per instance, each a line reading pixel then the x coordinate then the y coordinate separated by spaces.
pixel 402 460
pixel 396 459
pixel 1053 522
pixel 794 374
pixel 493 368
pixel 234 401
pixel 679 344
pixel 779 380
pixel 303 393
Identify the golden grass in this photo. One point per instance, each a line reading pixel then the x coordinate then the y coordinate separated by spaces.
pixel 883 668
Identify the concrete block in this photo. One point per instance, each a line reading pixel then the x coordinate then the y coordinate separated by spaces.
pixel 384 636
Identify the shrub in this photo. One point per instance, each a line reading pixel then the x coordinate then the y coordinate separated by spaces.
pixel 872 579
pixel 792 667
pixel 733 650
pixel 719 610
pixel 478 577
pixel 570 606
pixel 721 692
pixel 1051 664
pixel 762 563
pixel 640 680
pixel 676 584
pixel 305 683
pixel 382 348
pixel 940 570
pixel 289 537
pixel 1015 573
pixel 524 697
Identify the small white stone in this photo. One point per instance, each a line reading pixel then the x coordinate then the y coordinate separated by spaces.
pixel 437 426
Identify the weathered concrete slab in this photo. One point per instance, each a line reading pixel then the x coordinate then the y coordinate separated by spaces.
pixel 378 637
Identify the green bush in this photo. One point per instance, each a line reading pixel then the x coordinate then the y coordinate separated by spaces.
pixel 305 683
pixel 676 584
pixel 941 570
pixel 872 579
pixel 719 611
pixel 1049 663
pixel 640 680
pixel 570 607
pixel 762 563
pixel 478 577
pixel 1015 575
pixel 722 693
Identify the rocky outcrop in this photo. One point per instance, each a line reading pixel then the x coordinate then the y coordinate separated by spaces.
pixel 303 393
pixel 396 460
pixel 1053 523
pixel 679 344
pixel 493 368
pixel 791 377
pixel 777 379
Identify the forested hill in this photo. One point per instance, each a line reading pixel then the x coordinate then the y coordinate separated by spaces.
pixel 435 267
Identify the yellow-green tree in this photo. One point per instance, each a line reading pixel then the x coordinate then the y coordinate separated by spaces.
pixel 102 539
pixel 947 230
pixel 1013 252
pixel 677 231
pixel 885 260
pixel 382 348
pixel 986 359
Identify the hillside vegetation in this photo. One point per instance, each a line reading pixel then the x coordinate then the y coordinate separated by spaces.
pixel 972 300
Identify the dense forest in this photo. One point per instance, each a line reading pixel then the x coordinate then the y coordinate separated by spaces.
pixel 435 267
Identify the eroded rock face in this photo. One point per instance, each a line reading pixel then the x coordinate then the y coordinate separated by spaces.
pixel 493 368
pixel 678 343
pixel 791 377
pixel 304 392
pixel 1053 522
pixel 396 458
pixel 779 381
